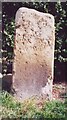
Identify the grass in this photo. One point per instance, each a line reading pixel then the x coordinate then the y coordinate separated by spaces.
pixel 42 110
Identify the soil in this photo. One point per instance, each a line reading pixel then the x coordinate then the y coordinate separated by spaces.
pixel 59 91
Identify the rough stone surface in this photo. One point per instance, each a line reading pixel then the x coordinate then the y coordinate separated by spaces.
pixel 33 53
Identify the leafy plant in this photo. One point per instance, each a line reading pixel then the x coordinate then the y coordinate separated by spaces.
pixel 54 109
pixel 11 108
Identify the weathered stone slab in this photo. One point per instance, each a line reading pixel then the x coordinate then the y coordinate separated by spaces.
pixel 33 53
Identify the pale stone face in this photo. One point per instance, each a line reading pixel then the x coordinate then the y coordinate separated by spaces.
pixel 34 53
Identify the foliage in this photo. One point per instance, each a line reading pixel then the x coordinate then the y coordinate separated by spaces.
pixel 58 9
pixel 8 44
pixel 54 109
pixel 60 33
pixel 11 108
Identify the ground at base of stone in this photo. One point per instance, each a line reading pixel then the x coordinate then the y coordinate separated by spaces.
pixel 59 88
pixel 59 91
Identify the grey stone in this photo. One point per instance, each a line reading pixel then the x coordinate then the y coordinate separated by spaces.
pixel 33 53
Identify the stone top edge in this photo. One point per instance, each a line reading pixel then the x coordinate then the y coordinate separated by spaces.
pixel 33 10
pixel 23 9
